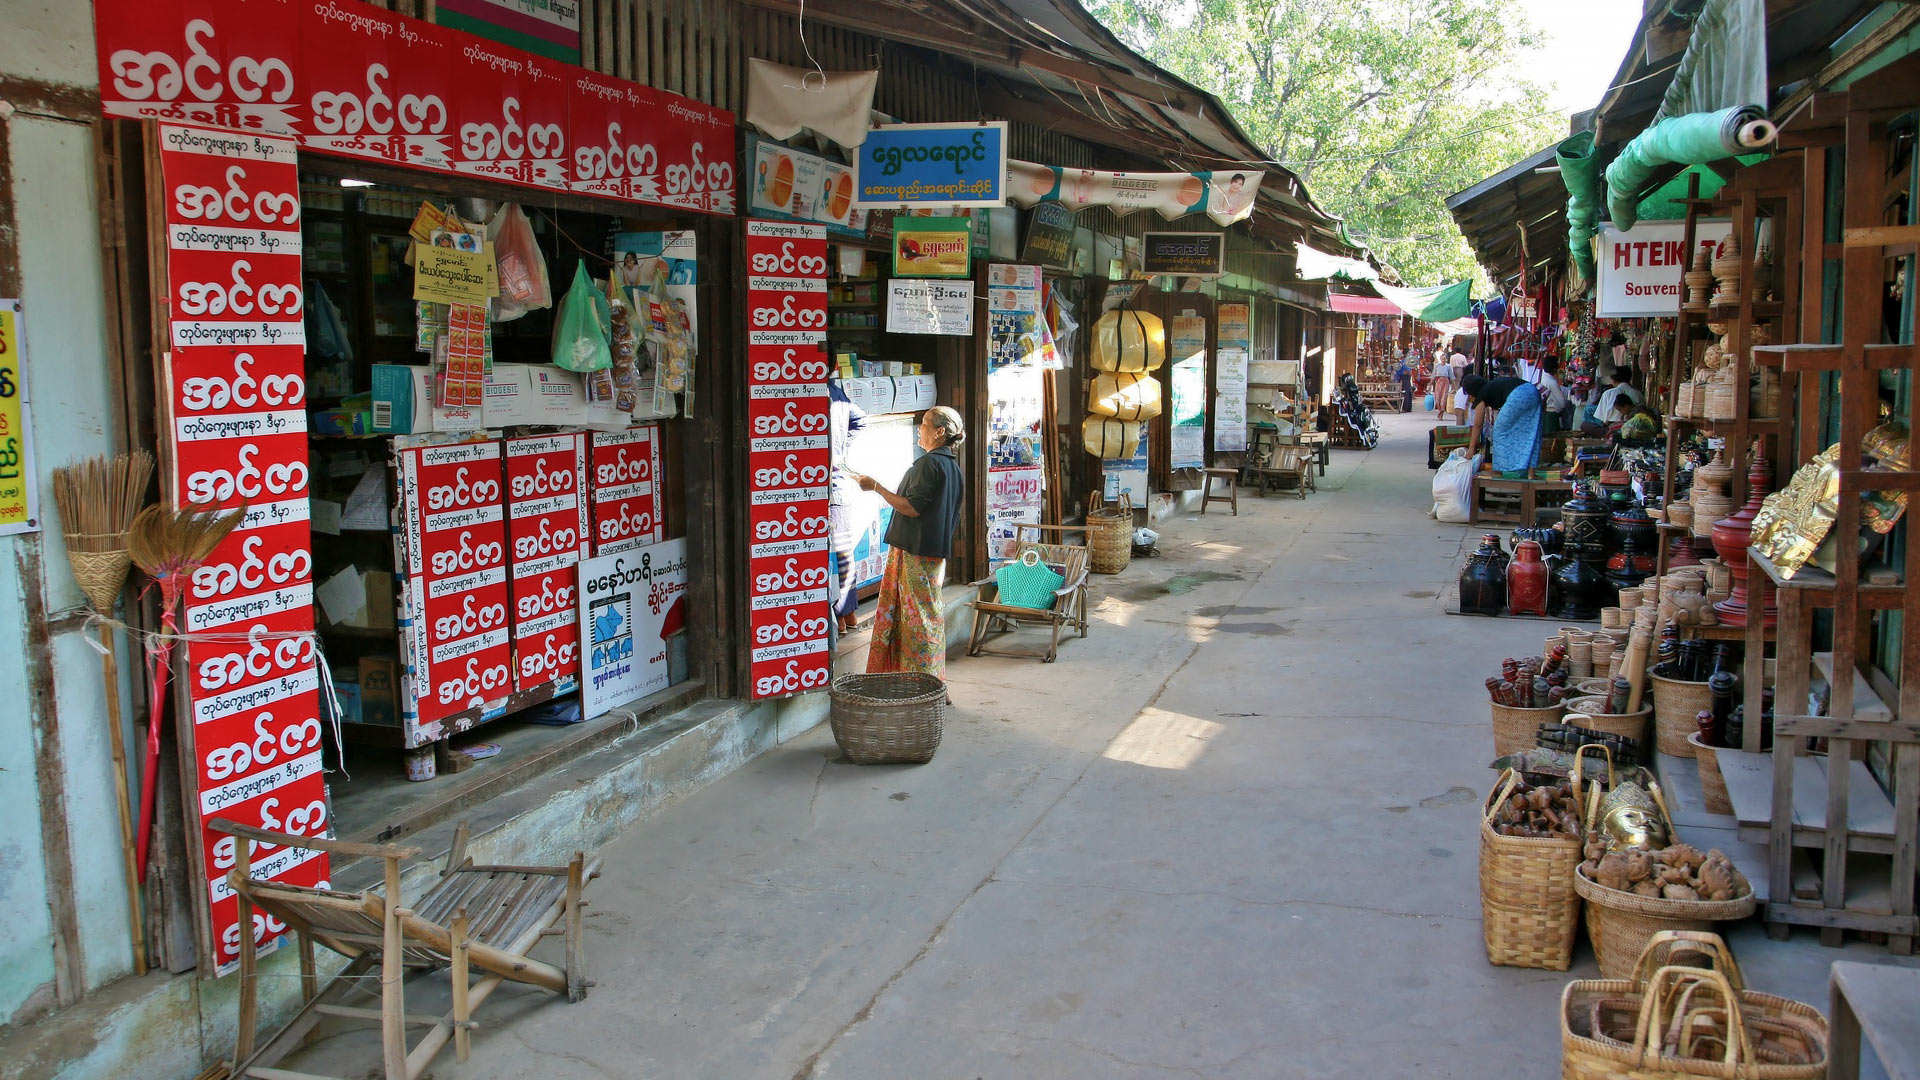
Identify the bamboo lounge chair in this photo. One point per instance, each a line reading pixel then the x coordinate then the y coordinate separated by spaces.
pixel 1069 600
pixel 485 917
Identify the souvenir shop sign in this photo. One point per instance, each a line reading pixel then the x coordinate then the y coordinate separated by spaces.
pixel 1049 236
pixel 930 307
pixel 1185 254
pixel 630 604
pixel 235 395
pixel 908 165
pixel 789 461
pixel 18 493
pixel 1639 270
pixel 1225 197
pixel 932 247
pixel 348 79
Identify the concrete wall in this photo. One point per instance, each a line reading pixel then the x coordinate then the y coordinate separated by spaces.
pixel 58 819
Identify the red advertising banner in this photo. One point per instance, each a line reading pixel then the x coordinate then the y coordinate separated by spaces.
pixel 626 510
pixel 348 79
pixel 789 460
pixel 458 643
pixel 236 397
pixel 547 525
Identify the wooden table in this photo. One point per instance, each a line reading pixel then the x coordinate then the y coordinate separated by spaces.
pixel 1880 1002
pixel 1528 490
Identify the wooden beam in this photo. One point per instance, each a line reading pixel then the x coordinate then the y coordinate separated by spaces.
pixel 1112 78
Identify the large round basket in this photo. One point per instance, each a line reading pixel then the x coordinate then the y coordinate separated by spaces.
pixel 893 718
pixel 1529 913
pixel 1517 729
pixel 1110 537
pixel 1621 923
pixel 1631 725
pixel 1675 705
pixel 1713 786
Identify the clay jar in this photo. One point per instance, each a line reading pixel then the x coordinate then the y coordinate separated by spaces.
pixel 1483 584
pixel 1527 580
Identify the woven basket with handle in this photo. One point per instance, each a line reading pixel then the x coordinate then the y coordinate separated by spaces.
pixel 1621 923
pixel 892 718
pixel 1110 536
pixel 1529 913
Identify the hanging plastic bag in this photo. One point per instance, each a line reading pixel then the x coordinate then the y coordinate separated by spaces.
pixel 521 267
pixel 326 331
pixel 580 327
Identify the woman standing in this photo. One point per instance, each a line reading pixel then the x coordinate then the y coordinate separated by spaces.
pixel 847 510
pixel 910 627
pixel 1507 413
pixel 1442 384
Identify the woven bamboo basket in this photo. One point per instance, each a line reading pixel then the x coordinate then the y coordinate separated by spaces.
pixel 1764 398
pixel 1631 725
pixel 1110 537
pixel 1620 924
pixel 1517 729
pixel 1718 402
pixel 1529 913
pixel 894 718
pixel 1613 1028
pixel 1713 786
pixel 1686 399
pixel 1675 704
pixel 1680 513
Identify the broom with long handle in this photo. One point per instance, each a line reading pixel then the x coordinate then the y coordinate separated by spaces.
pixel 98 498
pixel 169 545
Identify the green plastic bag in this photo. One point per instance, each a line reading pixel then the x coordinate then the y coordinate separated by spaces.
pixel 581 326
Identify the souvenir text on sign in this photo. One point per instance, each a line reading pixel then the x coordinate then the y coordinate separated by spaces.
pixel 788 460
pixel 19 495
pixel 624 473
pixel 454 536
pixel 1638 272
pixel 1186 254
pixel 907 165
pixel 631 604
pixel 547 526
pixel 349 79
pixel 236 404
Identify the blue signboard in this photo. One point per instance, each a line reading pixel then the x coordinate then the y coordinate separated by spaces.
pixel 913 165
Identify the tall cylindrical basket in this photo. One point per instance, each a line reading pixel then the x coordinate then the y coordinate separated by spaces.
pixel 1675 705
pixel 892 718
pixel 1110 536
pixel 1517 729
pixel 1529 913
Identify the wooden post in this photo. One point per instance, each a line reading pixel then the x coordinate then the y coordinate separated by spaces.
pixel 457 854
pixel 241 873
pixel 462 1033
pixel 309 973
pixel 393 1017
pixel 576 944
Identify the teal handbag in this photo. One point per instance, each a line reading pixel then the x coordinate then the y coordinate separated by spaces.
pixel 1027 582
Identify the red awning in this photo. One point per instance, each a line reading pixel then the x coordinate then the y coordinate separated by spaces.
pixel 1362 305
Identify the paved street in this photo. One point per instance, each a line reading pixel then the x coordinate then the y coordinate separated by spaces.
pixel 1232 834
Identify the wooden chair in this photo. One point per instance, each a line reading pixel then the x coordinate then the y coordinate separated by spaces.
pixel 1292 466
pixel 485 917
pixel 1069 600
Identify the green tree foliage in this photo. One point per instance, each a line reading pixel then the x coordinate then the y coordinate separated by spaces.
pixel 1383 108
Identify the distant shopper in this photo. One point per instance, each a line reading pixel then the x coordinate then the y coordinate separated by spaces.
pixel 1553 396
pixel 1507 414
pixel 1442 385
pixel 1461 365
pixel 910 627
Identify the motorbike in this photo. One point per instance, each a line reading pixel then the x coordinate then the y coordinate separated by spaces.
pixel 1355 412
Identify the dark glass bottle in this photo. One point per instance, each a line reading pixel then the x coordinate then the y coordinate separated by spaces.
pixel 1720 694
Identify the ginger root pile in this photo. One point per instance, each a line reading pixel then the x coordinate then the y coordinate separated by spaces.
pixel 1543 811
pixel 1680 872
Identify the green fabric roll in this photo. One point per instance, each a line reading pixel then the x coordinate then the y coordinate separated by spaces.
pixel 1693 139
pixel 1579 170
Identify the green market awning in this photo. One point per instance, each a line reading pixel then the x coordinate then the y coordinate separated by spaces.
pixel 1436 304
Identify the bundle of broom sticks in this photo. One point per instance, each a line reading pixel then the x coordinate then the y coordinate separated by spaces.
pixel 98 499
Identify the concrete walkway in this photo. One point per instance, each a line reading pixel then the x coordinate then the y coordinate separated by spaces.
pixel 1231 834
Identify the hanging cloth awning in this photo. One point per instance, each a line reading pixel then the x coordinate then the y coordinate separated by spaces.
pixel 1315 265
pixel 782 100
pixel 1225 196
pixel 1353 304
pixel 1439 303
pixel 1457 327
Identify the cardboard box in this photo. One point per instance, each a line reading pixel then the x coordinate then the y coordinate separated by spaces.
pixel 912 393
pixel 402 399
pixel 379 691
pixel 560 398
pixel 509 397
pixel 873 395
